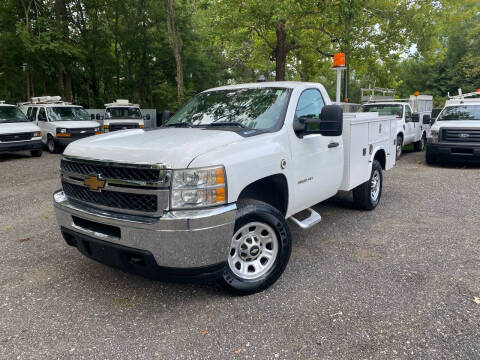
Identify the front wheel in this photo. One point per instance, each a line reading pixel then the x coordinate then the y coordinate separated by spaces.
pixel 399 148
pixel 431 159
pixel 36 153
pixel 420 144
pixel 52 147
pixel 259 250
pixel 367 195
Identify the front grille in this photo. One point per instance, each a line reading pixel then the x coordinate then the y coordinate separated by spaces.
pixel 82 132
pixel 112 199
pixel 461 135
pixel 16 137
pixel 112 172
pixel 115 127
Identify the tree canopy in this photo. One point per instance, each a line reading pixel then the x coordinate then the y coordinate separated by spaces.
pixel 160 53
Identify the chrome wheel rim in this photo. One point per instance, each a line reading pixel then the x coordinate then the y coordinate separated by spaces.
pixel 375 185
pixel 51 146
pixel 253 250
pixel 422 144
pixel 399 148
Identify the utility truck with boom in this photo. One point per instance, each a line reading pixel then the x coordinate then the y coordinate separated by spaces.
pixel 209 194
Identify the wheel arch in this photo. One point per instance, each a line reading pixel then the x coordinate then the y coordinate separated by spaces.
pixel 381 156
pixel 272 190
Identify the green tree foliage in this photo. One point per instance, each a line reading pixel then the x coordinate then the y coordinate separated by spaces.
pixel 160 53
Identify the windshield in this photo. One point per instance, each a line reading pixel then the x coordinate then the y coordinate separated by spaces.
pixel 257 108
pixel 11 114
pixel 66 113
pixel 123 113
pixel 384 109
pixel 463 112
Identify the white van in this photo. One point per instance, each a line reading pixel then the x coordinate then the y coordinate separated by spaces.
pixel 17 133
pixel 121 115
pixel 61 122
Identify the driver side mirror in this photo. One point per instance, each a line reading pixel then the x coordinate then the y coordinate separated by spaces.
pixel 330 123
pixel 92 117
pixel 146 117
pixel 164 117
pixel 426 119
pixel 99 117
pixel 415 117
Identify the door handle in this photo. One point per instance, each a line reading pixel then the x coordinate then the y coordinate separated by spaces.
pixel 333 145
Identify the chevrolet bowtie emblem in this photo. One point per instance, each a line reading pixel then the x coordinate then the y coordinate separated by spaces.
pixel 94 183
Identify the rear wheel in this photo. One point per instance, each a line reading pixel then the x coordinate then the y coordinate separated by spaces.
pixel 36 153
pixel 259 250
pixel 367 195
pixel 399 146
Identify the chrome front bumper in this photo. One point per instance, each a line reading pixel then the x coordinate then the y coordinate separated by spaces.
pixel 178 239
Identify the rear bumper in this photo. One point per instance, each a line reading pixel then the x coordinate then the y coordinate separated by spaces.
pixel 180 244
pixel 453 151
pixel 27 145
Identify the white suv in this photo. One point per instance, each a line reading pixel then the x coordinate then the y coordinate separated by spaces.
pixel 17 133
pixel 60 122
pixel 455 135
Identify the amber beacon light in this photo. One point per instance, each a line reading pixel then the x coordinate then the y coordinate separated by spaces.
pixel 338 60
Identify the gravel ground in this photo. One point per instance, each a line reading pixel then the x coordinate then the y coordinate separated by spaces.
pixel 399 282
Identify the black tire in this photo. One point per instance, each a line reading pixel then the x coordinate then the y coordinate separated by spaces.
pixel 36 153
pixel 250 211
pixel 430 159
pixel 399 147
pixel 52 146
pixel 420 145
pixel 362 194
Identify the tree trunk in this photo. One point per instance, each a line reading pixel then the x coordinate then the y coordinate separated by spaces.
pixel 176 44
pixel 64 79
pixel 280 52
pixel 117 60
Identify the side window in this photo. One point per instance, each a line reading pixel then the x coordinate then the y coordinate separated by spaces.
pixel 408 114
pixel 310 106
pixel 34 113
pixel 42 116
pixel 29 112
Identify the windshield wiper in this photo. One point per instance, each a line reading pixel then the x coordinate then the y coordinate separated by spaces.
pixel 227 123
pixel 180 124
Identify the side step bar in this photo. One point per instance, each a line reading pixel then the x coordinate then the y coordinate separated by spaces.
pixel 313 219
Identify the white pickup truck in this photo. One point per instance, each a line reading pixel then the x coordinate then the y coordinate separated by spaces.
pixel 17 133
pixel 414 117
pixel 455 134
pixel 208 195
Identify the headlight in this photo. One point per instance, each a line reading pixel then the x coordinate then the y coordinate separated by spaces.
pixel 198 188
pixel 62 132
pixel 432 136
pixel 37 134
pixel 97 129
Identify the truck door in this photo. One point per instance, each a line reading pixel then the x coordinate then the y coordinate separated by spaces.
pixel 317 159
pixel 409 126
pixel 42 122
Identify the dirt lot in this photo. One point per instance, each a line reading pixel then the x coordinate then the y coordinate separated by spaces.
pixel 400 282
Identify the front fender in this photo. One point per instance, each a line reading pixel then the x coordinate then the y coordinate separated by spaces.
pixel 249 160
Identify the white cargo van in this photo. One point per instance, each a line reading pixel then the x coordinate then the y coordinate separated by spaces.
pixel 61 122
pixel 17 133
pixel 122 115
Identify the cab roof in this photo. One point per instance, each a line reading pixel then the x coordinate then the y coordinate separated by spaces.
pixel 268 84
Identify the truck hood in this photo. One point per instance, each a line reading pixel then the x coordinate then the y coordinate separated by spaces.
pixel 19 127
pixel 456 124
pixel 76 124
pixel 173 147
